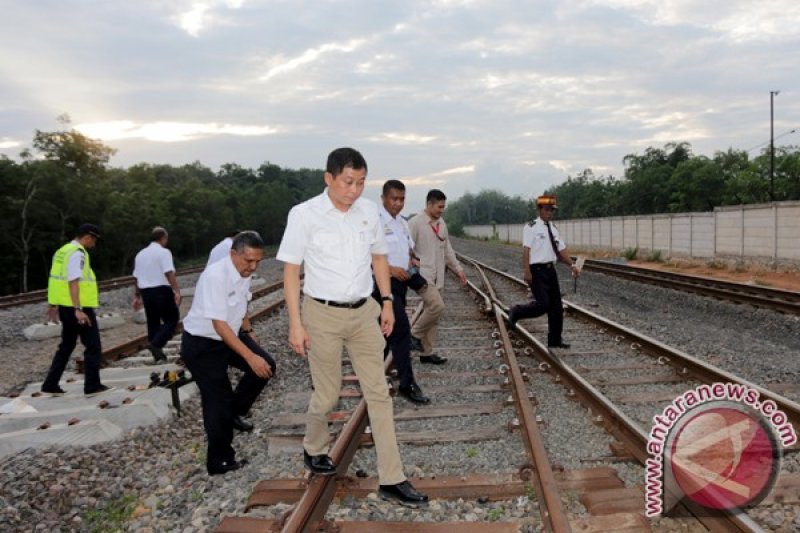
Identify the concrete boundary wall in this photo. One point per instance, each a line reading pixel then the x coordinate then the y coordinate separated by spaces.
pixel 758 231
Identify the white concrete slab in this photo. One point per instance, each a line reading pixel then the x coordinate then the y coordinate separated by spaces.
pixel 82 434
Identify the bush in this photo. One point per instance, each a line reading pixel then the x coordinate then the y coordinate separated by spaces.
pixel 630 253
pixel 655 257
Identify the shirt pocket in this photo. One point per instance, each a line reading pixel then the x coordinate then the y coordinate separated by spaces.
pixel 327 245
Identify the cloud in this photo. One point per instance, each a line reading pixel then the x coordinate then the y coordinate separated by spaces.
pixel 402 138
pixel 199 16
pixel 6 143
pixel 282 65
pixel 168 131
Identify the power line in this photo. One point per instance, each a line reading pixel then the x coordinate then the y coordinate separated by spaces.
pixel 784 134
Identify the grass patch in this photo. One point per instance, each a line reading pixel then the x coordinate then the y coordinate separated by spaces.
pixel 472 453
pixel 495 514
pixel 716 264
pixel 112 517
pixel 631 253
pixel 656 256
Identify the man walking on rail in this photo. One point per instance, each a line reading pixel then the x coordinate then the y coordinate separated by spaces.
pixel 217 334
pixel 432 240
pixel 337 236
pixel 403 268
pixel 72 293
pixel 542 248
pixel 157 289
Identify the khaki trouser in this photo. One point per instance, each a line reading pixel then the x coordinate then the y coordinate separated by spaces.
pixel 330 329
pixel 426 328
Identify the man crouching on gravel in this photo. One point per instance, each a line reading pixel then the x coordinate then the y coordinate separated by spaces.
pixel 217 334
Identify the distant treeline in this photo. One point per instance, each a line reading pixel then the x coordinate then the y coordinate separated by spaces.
pixel 46 196
pixel 662 180
pixel 65 180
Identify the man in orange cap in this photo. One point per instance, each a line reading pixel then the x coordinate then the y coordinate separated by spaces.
pixel 542 248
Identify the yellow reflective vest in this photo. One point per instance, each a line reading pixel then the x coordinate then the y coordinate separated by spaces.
pixel 58 286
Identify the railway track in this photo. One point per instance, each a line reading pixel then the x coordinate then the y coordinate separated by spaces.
pixel 606 502
pixel 625 378
pixel 477 464
pixel 23 298
pixel 765 297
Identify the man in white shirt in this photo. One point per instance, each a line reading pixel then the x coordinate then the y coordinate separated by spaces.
pixel 217 334
pixel 542 248
pixel 222 249
pixel 337 236
pixel 157 290
pixel 404 271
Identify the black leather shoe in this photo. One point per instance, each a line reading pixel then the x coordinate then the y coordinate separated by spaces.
pixel 224 467
pixel 414 394
pixel 432 359
pixel 403 493
pixel 241 424
pixel 54 391
pixel 158 354
pixel 99 390
pixel 561 344
pixel 416 344
pixel 321 465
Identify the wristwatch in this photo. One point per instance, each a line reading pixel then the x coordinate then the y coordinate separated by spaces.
pixel 389 298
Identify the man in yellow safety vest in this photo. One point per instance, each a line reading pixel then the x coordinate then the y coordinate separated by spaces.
pixel 72 290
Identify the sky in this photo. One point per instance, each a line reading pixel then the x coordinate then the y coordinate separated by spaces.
pixel 460 95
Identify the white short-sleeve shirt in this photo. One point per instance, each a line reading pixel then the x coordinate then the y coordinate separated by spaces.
pixel 398 238
pixel 537 239
pixel 221 293
pixel 336 247
pixel 151 265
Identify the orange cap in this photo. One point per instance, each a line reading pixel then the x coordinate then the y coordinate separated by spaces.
pixel 547 200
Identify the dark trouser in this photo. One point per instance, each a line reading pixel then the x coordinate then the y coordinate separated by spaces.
pixel 399 341
pixel 208 361
pixel 547 295
pixel 162 314
pixel 90 338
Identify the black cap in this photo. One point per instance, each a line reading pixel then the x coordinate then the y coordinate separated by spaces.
pixel 88 229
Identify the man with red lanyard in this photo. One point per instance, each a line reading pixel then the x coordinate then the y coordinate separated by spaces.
pixel 429 233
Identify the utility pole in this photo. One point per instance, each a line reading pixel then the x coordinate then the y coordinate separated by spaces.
pixel 772 95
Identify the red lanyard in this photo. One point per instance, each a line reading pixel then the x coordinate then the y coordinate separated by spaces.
pixel 436 231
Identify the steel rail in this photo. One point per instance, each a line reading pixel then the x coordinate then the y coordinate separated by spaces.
pixel 554 518
pixel 765 297
pixel 40 295
pixel 620 425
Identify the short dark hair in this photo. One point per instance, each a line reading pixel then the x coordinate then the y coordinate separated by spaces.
pixel 435 195
pixel 233 233
pixel 247 239
pixel 342 158
pixel 393 184
pixel 158 233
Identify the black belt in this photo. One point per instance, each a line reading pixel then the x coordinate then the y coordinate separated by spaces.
pixel 542 265
pixel 345 305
